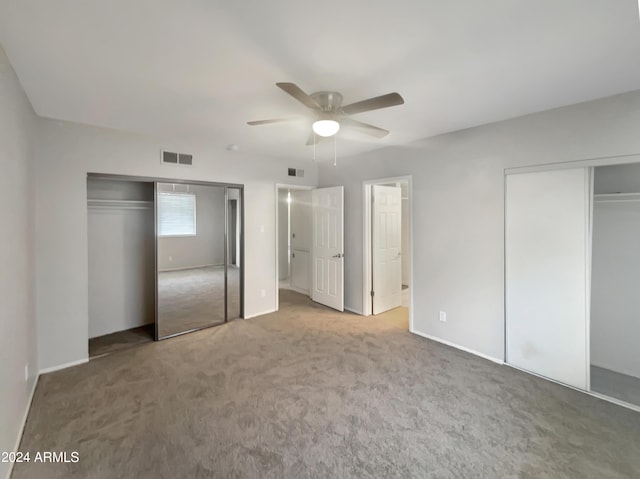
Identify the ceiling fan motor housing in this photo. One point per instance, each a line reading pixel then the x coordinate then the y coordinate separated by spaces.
pixel 329 101
pixel 330 114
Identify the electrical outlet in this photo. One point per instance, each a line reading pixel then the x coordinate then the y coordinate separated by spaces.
pixel 443 316
pixel 263 293
pixel 26 372
pixel 170 258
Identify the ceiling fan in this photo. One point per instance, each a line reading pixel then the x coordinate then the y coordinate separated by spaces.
pixel 329 113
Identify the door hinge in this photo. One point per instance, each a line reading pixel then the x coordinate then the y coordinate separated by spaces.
pixel 372 293
pixel 293 255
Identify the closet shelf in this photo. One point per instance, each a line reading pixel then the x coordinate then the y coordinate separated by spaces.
pixel 120 204
pixel 616 197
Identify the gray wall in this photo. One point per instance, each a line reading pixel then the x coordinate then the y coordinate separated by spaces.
pixel 17 258
pixel 458 215
pixel 207 247
pixel 66 152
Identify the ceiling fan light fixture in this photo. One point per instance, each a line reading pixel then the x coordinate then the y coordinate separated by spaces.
pixel 326 127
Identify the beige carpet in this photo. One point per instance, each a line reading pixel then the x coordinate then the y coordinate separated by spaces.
pixel 312 393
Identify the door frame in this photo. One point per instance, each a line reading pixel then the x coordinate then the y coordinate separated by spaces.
pixel 281 186
pixel 366 242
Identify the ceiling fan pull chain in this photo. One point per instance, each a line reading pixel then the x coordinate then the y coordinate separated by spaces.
pixel 335 141
pixel 314 146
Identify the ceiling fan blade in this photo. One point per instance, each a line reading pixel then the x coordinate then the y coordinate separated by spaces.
pixel 365 127
pixel 384 101
pixel 296 92
pixel 267 122
pixel 315 138
pixel 311 140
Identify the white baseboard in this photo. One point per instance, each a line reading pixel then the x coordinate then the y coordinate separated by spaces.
pixel 24 422
pixel 260 314
pixel 457 346
pixel 354 310
pixel 64 366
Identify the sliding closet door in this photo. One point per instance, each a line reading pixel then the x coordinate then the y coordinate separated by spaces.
pixel 547 243
pixel 190 222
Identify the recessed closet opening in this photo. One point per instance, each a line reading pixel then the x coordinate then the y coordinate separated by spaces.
pixel 615 283
pixel 572 275
pixel 121 246
pixel 165 258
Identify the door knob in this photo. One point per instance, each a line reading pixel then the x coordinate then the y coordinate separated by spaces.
pixel 339 255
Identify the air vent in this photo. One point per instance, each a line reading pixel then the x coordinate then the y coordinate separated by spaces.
pixel 185 159
pixel 294 172
pixel 173 158
pixel 169 157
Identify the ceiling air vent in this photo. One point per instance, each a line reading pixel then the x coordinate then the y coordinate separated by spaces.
pixel 173 158
pixel 294 172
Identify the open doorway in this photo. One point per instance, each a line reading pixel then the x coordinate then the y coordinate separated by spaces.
pixel 293 240
pixel 387 247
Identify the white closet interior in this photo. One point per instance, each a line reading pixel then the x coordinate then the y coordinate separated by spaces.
pixel 121 240
pixel 615 302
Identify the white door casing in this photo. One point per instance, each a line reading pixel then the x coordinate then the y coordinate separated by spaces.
pixel 547 268
pixel 327 253
pixel 386 247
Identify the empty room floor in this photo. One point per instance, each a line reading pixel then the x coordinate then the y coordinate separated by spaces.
pixel 310 392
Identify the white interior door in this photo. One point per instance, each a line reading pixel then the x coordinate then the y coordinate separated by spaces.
pixel 327 210
pixel 386 247
pixel 300 218
pixel 547 243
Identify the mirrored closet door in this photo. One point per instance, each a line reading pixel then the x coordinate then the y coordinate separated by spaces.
pixel 234 253
pixel 198 231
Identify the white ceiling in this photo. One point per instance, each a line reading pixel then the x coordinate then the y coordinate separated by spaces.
pixel 202 68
